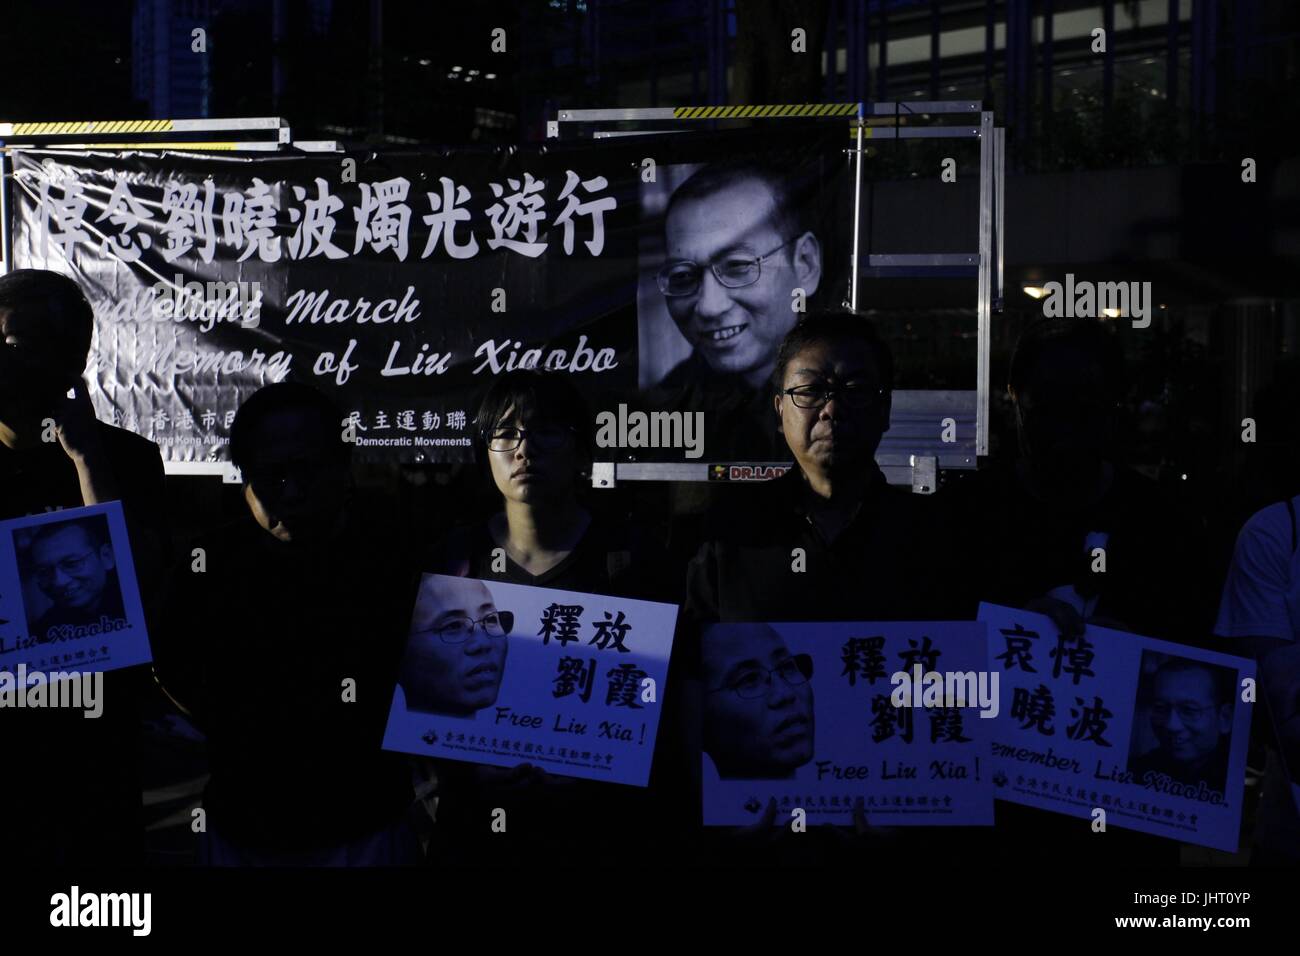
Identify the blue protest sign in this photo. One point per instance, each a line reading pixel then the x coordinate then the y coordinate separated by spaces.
pixel 1152 733
pixel 820 716
pixel 504 674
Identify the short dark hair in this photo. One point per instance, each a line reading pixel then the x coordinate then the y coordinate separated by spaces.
pixel 790 217
pixel 58 297
pixel 94 528
pixel 536 393
pixel 836 326
pixel 1087 337
pixel 283 396
pixel 1222 679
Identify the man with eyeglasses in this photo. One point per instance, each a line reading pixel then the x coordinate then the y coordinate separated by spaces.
pixel 72 564
pixel 737 246
pixel 284 649
pixel 456 654
pixel 1191 716
pixel 831 539
pixel 758 705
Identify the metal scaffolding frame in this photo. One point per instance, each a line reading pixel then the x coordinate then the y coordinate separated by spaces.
pixel 912 452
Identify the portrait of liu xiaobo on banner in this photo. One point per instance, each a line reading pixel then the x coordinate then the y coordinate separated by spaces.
pixel 737 241
pixel 456 651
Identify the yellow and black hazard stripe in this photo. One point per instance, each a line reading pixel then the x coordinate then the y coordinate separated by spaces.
pixel 755 112
pixel 91 127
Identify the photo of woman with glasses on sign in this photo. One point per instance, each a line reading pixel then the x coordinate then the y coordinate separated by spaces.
pixel 758 703
pixel 534 435
pixel 456 652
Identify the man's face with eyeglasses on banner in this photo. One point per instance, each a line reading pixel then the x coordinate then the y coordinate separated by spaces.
pixel 71 569
pixel 729 274
pixel 1188 718
pixel 758 703
pixel 456 653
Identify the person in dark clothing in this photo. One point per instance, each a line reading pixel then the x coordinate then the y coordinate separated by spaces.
pixel 535 430
pixel 1066 531
pixel 830 540
pixel 285 651
pixel 84 804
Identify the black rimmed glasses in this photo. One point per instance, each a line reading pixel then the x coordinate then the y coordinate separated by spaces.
pixel 456 630
pixel 546 437
pixel 755 682
pixel 854 395
pixel 732 272
pixel 70 566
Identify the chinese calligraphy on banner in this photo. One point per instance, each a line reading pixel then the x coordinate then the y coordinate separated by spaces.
pixel 1153 733
pixel 802 714
pixel 504 674
pixel 400 293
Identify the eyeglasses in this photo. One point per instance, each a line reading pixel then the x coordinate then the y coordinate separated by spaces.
pixel 734 272
pixel 546 437
pixel 1187 713
pixel 73 564
pixel 852 395
pixel 457 630
pixel 794 671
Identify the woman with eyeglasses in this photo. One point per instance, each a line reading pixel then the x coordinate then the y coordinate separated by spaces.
pixel 533 429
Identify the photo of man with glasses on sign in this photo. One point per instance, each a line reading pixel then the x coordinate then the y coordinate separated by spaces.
pixel 758 703
pixel 738 241
pixel 71 563
pixel 1190 714
pixel 456 653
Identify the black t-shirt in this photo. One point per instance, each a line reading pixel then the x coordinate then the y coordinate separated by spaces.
pixel 876 568
pixel 258 647
pixel 1016 548
pixel 78 799
pixel 564 820
pixel 881 566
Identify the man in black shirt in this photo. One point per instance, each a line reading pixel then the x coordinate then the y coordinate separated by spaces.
pixel 285 651
pixel 831 539
pixel 83 805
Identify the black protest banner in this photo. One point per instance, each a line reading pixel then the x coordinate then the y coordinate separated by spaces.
pixel 398 282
